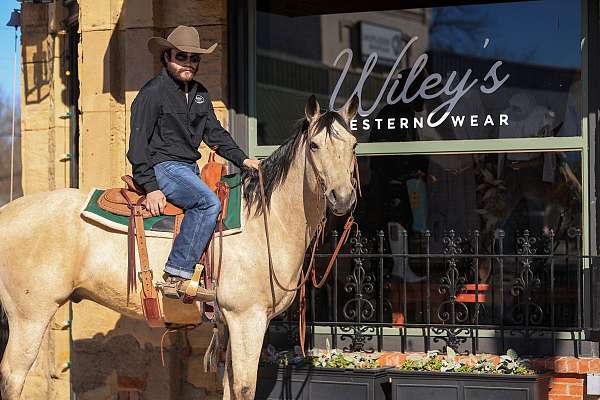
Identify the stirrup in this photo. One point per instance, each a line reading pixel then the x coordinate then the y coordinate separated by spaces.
pixel 193 287
pixel 171 286
pixel 187 290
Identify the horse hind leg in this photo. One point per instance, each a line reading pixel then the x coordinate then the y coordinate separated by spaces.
pixel 24 340
pixel 228 375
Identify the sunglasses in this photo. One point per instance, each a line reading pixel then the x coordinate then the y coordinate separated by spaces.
pixel 183 57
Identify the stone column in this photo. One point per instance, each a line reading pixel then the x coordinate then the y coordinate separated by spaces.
pixel 45 135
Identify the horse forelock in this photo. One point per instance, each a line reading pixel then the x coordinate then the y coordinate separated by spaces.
pixel 326 122
pixel 276 167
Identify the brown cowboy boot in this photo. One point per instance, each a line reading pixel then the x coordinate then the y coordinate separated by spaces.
pixel 175 287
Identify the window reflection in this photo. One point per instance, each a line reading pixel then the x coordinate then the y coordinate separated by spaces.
pixel 508 70
pixel 464 193
pixel 435 209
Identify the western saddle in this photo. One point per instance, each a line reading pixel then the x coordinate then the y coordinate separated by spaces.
pixel 129 201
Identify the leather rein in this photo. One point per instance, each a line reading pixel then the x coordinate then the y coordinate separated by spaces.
pixel 311 270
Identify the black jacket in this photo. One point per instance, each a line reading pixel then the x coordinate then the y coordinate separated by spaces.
pixel 165 128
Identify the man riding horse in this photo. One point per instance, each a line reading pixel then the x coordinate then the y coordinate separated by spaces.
pixel 170 116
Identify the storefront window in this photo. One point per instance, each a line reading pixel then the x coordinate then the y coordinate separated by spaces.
pixel 437 194
pixel 484 71
pixel 474 206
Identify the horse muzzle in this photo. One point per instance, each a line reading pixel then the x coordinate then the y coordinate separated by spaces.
pixel 340 203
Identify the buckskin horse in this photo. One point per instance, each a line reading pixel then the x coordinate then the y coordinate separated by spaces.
pixel 49 253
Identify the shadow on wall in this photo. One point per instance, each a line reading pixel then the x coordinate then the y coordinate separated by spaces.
pixel 127 63
pixel 38 54
pixel 116 363
pixel 34 83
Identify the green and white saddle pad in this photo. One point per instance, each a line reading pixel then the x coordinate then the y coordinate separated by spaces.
pixel 162 226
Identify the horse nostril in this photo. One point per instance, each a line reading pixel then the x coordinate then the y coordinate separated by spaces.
pixel 333 196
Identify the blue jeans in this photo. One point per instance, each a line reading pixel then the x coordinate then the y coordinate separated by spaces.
pixel 181 184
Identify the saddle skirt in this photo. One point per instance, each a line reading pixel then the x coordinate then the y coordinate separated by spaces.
pixel 119 200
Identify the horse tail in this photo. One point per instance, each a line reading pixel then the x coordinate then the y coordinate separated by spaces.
pixel 217 341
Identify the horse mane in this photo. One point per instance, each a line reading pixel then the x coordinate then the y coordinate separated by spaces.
pixel 276 167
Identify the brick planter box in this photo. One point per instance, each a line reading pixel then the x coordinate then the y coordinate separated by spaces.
pixel 458 386
pixel 312 383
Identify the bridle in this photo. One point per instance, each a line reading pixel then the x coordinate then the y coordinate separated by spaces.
pixel 318 236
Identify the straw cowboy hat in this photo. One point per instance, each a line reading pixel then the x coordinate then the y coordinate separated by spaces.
pixel 183 38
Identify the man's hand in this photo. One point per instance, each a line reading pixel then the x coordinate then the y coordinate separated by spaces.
pixel 155 202
pixel 251 163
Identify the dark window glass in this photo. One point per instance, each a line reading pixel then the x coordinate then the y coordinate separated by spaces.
pixel 484 192
pixel 457 204
pixel 502 70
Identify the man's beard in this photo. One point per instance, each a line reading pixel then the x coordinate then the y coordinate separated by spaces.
pixel 181 72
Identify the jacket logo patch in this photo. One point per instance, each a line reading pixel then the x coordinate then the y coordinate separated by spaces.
pixel 199 99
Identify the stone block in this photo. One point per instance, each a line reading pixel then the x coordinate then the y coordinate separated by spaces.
pixel 102 149
pixel 57 13
pixel 35 117
pixel 34 15
pixel 35 91
pixel 34 159
pixel 91 320
pixel 196 376
pixel 137 14
pixel 118 144
pixel 94 70
pixel 139 63
pixel 200 337
pixel 212 71
pixel 190 12
pixel 34 45
pixel 100 78
pixel 99 15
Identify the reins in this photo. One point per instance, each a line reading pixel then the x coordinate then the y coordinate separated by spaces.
pixel 311 270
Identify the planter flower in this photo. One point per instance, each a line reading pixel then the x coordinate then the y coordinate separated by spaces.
pixel 451 377
pixel 434 361
pixel 338 359
pixel 323 374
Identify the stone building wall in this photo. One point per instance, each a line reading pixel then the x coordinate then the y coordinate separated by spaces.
pixel 110 356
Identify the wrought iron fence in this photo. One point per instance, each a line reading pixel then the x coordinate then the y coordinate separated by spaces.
pixel 521 290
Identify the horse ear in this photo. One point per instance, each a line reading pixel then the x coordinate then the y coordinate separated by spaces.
pixel 349 112
pixel 312 109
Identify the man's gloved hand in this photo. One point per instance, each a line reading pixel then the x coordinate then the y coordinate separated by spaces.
pixel 155 202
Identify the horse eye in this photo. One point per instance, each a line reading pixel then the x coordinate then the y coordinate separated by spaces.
pixel 314 146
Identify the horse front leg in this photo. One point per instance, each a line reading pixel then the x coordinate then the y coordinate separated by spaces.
pixel 246 334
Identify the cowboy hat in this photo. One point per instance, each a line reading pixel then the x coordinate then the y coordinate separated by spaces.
pixel 183 38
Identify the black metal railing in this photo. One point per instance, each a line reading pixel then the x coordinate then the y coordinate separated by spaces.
pixel 518 290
